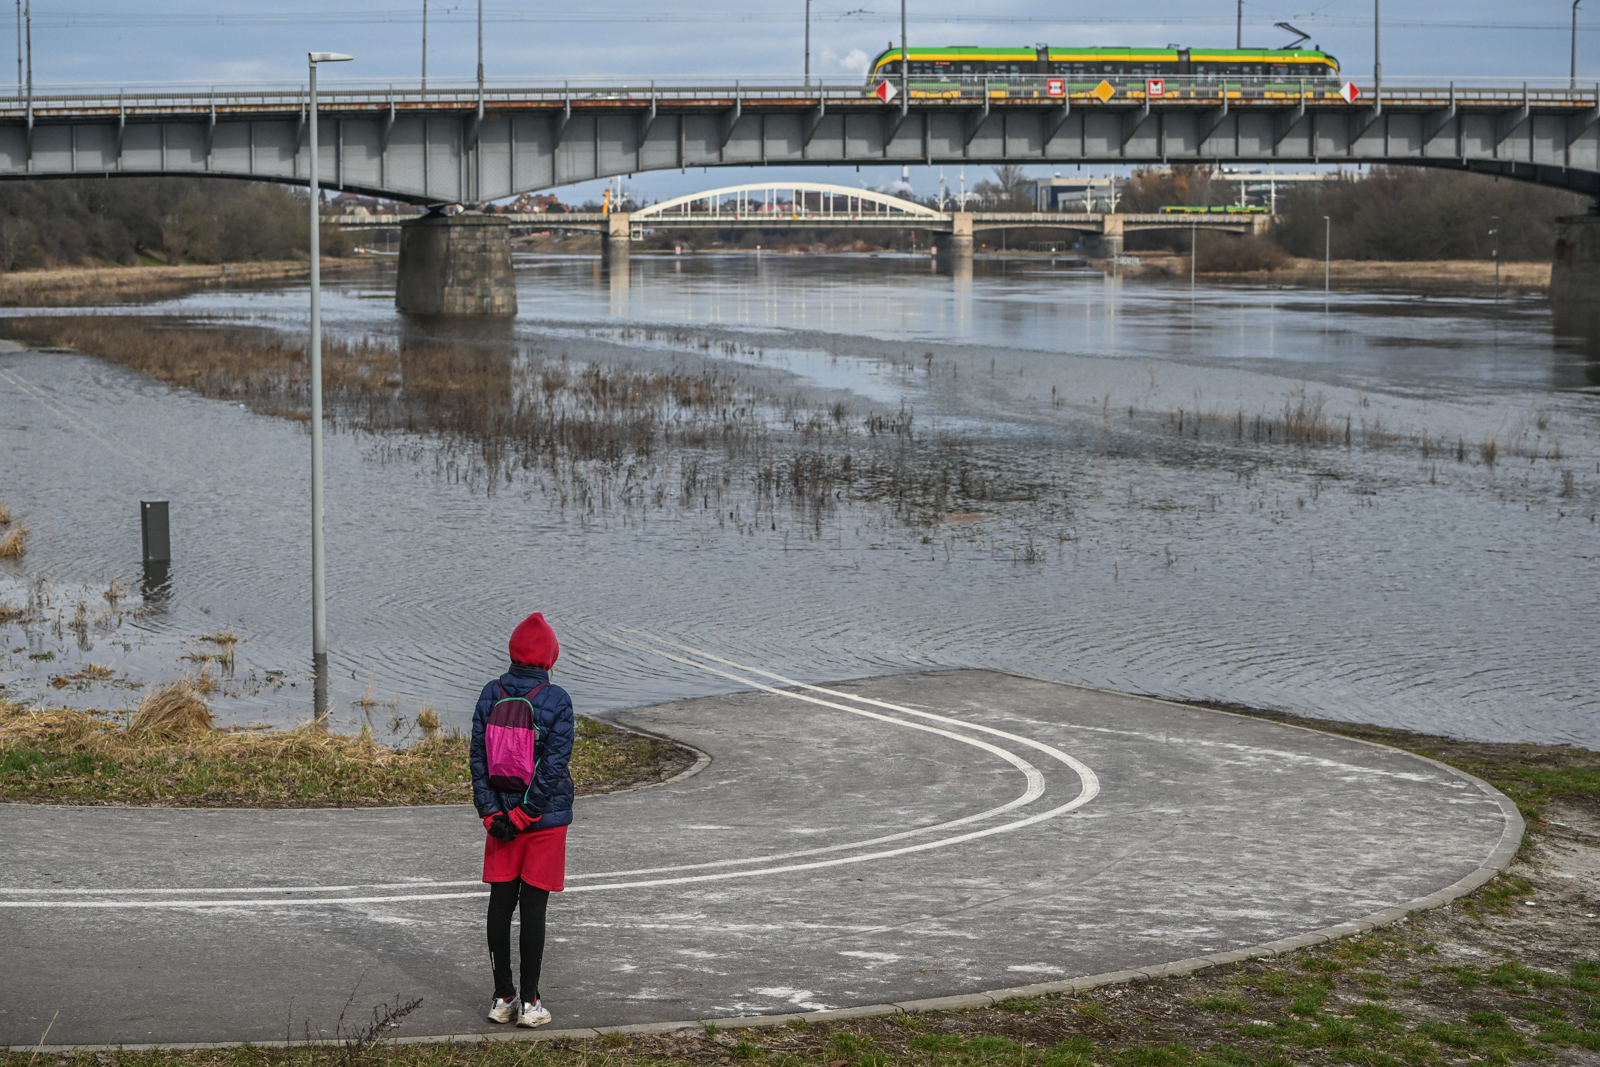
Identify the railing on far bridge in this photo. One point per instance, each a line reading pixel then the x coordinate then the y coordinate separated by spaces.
pixel 1109 92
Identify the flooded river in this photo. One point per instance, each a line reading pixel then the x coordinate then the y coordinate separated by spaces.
pixel 1373 507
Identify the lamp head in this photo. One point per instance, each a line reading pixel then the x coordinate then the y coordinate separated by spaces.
pixel 328 57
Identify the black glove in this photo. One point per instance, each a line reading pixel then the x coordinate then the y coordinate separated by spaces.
pixel 501 827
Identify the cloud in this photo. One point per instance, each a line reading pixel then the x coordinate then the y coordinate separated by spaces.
pixel 852 62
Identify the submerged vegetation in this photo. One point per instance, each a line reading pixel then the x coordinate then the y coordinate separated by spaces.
pixel 718 437
pixel 168 753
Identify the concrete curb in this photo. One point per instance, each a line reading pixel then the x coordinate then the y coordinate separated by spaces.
pixel 1495 863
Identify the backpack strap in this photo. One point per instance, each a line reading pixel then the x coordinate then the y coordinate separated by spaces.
pixel 538 741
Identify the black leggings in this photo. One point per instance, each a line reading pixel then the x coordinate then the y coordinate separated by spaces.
pixel 503 898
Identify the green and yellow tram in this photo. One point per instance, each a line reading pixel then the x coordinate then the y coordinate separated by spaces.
pixel 1181 72
pixel 1213 209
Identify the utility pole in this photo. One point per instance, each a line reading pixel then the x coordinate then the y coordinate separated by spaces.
pixel 27 19
pixel 424 45
pixel 1377 56
pixel 808 44
pixel 1575 4
pixel 19 47
pixel 905 61
pixel 1238 35
pixel 480 57
pixel 1327 254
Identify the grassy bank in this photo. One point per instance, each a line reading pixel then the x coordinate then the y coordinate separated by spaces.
pixel 60 756
pixel 1452 276
pixel 100 286
pixel 1507 975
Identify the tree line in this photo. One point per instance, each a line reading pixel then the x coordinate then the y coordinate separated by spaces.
pixel 1390 213
pixel 162 220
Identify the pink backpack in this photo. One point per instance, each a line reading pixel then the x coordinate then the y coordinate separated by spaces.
pixel 509 738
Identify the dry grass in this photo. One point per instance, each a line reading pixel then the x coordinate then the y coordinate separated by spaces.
pixel 14 543
pixel 5 513
pixel 171 712
pixel 428 721
pixel 169 758
pixel 98 286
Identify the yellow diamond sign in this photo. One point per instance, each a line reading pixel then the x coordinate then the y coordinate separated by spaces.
pixel 1104 91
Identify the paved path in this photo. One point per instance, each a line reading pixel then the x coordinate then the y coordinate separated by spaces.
pixel 899 837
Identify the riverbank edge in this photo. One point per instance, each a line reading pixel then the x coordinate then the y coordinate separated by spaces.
pixel 1499 859
pixel 101 286
pixel 1445 275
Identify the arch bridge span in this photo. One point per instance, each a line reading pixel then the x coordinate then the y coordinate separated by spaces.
pixel 820 206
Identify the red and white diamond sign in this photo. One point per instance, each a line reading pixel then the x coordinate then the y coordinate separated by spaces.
pixel 1155 87
pixel 1055 87
pixel 885 91
pixel 1349 92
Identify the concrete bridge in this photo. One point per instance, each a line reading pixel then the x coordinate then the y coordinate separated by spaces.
pixel 473 146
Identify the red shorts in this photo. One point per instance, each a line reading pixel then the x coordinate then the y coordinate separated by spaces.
pixel 538 857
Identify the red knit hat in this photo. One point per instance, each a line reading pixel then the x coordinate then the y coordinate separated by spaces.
pixel 533 643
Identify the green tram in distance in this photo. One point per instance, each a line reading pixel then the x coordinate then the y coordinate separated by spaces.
pixel 944 72
pixel 1213 209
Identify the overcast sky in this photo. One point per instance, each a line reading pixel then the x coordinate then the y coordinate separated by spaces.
pixel 78 43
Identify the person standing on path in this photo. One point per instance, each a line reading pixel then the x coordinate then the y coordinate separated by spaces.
pixel 526 809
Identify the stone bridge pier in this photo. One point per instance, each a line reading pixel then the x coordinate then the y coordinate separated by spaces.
pixel 456 265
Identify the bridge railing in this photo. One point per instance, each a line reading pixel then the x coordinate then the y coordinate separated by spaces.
pixel 1077 91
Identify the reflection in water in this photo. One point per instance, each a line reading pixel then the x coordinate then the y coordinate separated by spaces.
pixel 156 585
pixel 618 268
pixel 1580 327
pixel 1048 472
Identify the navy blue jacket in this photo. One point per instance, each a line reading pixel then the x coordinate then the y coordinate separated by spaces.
pixel 550 796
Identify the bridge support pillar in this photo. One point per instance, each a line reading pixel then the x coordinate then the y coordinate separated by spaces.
pixel 1575 275
pixel 456 265
pixel 955 249
pixel 1110 239
pixel 618 241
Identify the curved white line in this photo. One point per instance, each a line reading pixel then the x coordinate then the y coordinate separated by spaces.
pixel 1090 780
pixel 1035 779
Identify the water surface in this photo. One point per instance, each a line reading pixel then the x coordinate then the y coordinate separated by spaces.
pixel 1379 584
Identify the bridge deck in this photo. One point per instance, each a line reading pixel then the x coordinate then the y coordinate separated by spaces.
pixel 458 146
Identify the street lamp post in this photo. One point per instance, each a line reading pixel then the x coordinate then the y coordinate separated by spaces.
pixel 319 608
pixel 480 58
pixel 1327 254
pixel 1238 33
pixel 1495 233
pixel 424 45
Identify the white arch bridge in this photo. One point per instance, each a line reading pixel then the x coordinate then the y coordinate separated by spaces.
pixel 820 206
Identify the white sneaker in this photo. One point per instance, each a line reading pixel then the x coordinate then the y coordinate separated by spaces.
pixel 532 1015
pixel 503 1011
